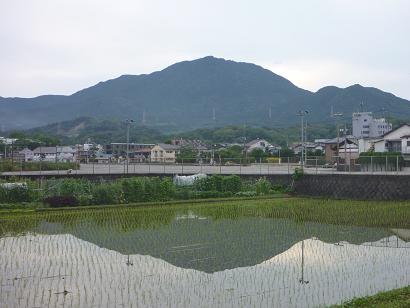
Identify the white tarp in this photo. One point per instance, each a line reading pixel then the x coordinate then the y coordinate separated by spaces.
pixel 13 185
pixel 187 180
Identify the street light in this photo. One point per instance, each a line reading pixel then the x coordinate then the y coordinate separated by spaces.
pixel 302 114
pixel 335 116
pixel 128 122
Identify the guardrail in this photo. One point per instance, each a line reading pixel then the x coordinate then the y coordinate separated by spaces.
pixel 266 166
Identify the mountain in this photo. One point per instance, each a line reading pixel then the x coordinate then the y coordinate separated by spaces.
pixel 206 92
pixel 104 131
pixel 97 130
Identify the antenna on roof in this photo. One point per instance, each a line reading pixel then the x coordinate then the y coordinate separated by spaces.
pixel 361 106
pixel 335 114
pixel 143 117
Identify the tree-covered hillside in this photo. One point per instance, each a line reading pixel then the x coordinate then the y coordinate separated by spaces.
pixel 203 93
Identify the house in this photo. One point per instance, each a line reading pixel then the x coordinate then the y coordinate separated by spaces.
pixel 26 154
pixel 57 153
pixel 392 141
pixel 163 152
pixel 141 155
pixel 309 147
pixel 103 158
pixel 87 151
pixel 342 147
pixel 120 148
pixel 260 144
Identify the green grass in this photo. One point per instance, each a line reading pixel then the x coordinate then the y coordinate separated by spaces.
pixel 392 299
pixel 385 214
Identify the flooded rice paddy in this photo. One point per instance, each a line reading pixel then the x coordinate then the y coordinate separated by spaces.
pixel 193 257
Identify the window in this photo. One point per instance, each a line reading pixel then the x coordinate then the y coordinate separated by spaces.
pixel 408 143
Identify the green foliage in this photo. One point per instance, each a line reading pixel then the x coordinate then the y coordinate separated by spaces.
pixel 297 174
pixel 258 155
pixel 246 193
pixel 187 155
pixel 263 186
pixel 234 153
pixel 133 190
pixel 106 193
pixel 14 195
pixel 394 298
pixel 8 165
pixel 232 183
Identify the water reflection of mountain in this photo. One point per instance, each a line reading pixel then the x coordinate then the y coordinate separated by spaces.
pixel 210 246
pixel 35 271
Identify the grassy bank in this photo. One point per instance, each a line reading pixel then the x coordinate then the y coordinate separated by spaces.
pixel 396 298
pixel 337 212
pixel 83 192
pixel 8 165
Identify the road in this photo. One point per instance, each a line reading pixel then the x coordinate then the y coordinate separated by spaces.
pixel 253 169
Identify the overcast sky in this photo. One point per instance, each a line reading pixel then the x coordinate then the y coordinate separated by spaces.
pixel 62 46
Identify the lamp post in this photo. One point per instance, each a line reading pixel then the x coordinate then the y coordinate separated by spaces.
pixel 128 122
pixel 335 116
pixel 302 114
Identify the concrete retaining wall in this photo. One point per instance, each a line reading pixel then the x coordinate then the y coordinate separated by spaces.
pixel 364 187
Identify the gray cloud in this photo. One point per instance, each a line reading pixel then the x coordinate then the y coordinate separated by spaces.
pixel 59 47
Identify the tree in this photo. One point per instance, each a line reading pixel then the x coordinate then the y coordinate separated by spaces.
pixel 258 155
pixel 187 155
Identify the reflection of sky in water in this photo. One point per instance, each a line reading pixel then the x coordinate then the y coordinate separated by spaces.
pixel 200 243
pixel 37 269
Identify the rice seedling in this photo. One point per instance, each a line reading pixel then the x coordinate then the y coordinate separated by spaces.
pixel 261 253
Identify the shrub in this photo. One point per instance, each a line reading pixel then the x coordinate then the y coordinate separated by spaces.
pixel 134 190
pixel 167 189
pixel 297 174
pixel 273 160
pixel 209 183
pixel 232 183
pixel 15 194
pixel 263 186
pixel 106 194
pixel 204 184
pixel 70 187
pixel 61 201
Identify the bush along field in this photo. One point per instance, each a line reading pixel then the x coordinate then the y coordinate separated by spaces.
pixel 8 165
pixel 79 192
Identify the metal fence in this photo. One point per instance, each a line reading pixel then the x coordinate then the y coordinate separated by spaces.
pixel 265 166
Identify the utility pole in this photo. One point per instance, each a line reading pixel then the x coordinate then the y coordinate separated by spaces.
pixel 346 147
pixel 128 122
pixel 335 116
pixel 302 114
pixel 306 126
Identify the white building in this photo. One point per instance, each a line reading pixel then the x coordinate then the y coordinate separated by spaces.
pixel 365 126
pixel 57 153
pixel 397 140
pixel 260 144
pixel 27 154
pixel 164 153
